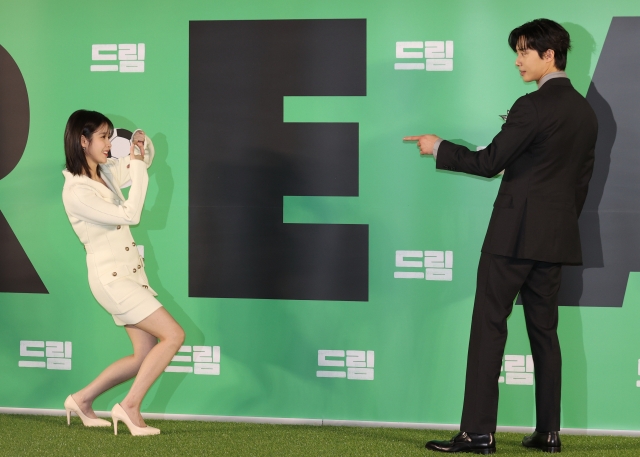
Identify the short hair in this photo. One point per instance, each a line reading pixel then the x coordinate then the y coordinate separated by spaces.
pixel 542 35
pixel 82 122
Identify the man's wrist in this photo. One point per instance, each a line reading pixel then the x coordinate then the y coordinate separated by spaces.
pixel 436 145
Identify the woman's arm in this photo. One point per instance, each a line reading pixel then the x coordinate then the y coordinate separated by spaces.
pixel 119 168
pixel 83 201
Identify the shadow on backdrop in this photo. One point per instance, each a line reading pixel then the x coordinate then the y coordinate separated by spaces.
pixel 610 220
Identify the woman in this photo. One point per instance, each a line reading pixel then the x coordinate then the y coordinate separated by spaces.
pixel 100 216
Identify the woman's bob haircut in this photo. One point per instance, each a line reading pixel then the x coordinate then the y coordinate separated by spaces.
pixel 82 123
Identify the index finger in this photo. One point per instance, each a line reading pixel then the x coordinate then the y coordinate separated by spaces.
pixel 411 138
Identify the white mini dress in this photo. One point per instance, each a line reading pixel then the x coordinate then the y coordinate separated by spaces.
pixel 101 217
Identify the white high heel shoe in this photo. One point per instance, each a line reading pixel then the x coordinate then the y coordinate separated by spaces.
pixel 71 405
pixel 119 414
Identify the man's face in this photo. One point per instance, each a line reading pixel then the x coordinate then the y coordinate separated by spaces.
pixel 532 67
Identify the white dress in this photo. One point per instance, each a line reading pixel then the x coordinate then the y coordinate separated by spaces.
pixel 101 217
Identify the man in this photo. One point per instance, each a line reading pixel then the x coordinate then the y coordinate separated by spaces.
pixel 546 149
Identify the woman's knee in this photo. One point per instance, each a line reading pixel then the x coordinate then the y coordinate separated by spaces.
pixel 164 327
pixel 180 335
pixel 141 351
pixel 175 336
pixel 136 360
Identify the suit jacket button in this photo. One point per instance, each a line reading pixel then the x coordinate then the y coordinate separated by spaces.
pixel 139 266
pixel 133 244
pixel 127 248
pixel 114 274
pixel 134 270
pixel 146 287
pixel 118 227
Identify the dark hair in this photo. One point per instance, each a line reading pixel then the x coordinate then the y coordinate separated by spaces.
pixel 542 35
pixel 80 123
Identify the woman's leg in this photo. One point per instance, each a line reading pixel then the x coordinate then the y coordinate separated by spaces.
pixel 162 326
pixel 118 372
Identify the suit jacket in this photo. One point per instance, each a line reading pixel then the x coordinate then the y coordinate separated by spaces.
pixel 546 148
pixel 101 217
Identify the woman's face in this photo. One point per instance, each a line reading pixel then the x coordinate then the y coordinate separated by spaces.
pixel 97 149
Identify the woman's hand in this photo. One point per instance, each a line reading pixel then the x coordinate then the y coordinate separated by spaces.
pixel 138 140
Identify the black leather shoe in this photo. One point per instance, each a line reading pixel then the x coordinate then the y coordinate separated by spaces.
pixel 478 443
pixel 546 441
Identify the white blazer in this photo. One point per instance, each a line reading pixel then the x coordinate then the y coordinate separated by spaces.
pixel 101 217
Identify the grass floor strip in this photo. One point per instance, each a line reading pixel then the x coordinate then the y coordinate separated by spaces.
pixel 50 436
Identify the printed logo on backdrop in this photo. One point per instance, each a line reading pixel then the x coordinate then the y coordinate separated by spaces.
pixel 424 55
pixel 517 370
pixel 204 360
pixel 239 246
pixel 429 265
pixel 359 364
pixel 52 355
pixel 17 274
pixel 123 58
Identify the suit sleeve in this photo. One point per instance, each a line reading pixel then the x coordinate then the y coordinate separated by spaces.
pixel 119 168
pixel 82 201
pixel 516 135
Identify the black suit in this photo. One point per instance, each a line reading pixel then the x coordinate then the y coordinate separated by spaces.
pixel 546 148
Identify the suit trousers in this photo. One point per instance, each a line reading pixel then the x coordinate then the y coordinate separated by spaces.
pixel 499 281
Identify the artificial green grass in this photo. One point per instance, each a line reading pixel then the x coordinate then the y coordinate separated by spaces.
pixel 50 436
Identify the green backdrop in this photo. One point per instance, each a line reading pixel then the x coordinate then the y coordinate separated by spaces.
pixel 412 332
